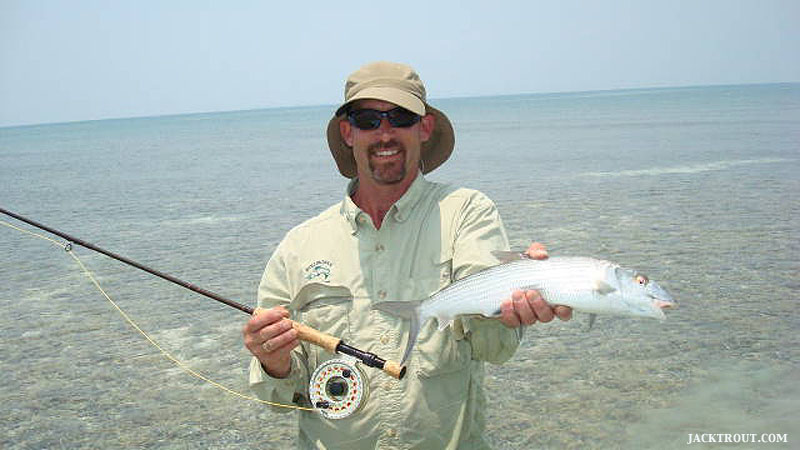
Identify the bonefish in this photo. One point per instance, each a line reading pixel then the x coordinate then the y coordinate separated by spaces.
pixel 584 284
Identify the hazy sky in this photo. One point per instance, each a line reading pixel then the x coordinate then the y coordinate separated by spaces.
pixel 80 60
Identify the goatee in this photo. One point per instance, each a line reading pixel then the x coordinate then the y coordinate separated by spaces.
pixel 387 172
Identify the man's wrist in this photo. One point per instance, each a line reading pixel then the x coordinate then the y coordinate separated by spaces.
pixel 277 375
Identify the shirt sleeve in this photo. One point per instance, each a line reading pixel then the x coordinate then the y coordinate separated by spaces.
pixel 274 290
pixel 480 232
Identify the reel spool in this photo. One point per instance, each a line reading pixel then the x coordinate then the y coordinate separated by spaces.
pixel 338 388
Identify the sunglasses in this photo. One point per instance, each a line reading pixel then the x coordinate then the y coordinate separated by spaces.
pixel 370 119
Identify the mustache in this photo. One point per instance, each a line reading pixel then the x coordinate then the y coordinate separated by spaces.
pixel 390 144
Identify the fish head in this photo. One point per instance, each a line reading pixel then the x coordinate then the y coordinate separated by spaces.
pixel 642 296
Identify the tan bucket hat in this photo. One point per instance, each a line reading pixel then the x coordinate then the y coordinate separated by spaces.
pixel 398 84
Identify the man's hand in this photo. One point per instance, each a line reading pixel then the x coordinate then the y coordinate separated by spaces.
pixel 269 336
pixel 528 307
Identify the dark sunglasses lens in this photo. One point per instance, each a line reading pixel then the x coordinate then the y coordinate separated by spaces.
pixel 365 119
pixel 400 117
pixel 370 119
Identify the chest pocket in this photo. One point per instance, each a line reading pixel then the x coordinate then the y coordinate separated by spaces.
pixel 324 307
pixel 440 352
pixel 431 277
pixel 327 309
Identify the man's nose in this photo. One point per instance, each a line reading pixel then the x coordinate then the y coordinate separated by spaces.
pixel 385 129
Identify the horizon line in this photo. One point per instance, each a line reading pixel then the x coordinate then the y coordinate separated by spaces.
pixel 458 97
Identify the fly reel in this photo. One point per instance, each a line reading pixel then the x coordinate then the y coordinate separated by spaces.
pixel 338 388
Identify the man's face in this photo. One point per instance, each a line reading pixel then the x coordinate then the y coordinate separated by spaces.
pixel 387 155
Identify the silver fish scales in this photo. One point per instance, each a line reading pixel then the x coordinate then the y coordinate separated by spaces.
pixel 584 284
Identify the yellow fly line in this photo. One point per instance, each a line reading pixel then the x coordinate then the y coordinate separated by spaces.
pixel 149 339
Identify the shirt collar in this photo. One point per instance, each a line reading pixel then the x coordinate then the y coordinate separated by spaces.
pixel 349 210
pixel 401 209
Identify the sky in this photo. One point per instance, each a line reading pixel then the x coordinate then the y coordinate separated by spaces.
pixel 63 61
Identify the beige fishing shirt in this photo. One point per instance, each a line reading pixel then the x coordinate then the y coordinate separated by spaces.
pixel 433 235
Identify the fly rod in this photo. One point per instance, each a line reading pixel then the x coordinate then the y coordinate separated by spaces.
pixel 304 332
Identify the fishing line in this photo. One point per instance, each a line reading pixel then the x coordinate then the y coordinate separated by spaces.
pixel 181 365
pixel 304 333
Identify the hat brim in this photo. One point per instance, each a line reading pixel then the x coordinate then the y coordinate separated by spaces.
pixel 435 151
pixel 388 94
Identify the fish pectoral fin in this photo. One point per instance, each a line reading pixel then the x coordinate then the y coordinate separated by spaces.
pixel 505 257
pixel 603 288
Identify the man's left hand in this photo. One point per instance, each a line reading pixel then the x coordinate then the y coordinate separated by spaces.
pixel 528 307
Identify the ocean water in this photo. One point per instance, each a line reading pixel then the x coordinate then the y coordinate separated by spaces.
pixel 698 187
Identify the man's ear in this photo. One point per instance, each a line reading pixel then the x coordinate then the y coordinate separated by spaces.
pixel 346 130
pixel 427 123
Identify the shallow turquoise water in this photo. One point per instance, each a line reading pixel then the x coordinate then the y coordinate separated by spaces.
pixel 697 187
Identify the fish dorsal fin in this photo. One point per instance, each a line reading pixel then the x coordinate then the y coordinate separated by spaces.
pixel 603 288
pixel 505 257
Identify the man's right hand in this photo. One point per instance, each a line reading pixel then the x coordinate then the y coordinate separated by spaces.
pixel 269 336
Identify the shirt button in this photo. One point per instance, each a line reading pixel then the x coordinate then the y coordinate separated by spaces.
pixel 379 248
pixel 391 432
pixel 384 339
pixel 382 294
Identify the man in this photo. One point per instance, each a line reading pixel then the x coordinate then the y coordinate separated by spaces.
pixel 395 236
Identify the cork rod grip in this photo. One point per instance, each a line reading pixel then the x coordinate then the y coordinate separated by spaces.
pixel 394 370
pixel 332 344
pixel 308 334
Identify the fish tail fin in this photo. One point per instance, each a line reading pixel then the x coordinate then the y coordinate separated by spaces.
pixel 406 310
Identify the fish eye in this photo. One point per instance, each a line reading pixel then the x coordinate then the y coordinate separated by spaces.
pixel 641 279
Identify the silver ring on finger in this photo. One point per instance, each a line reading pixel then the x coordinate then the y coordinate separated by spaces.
pixel 267 346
